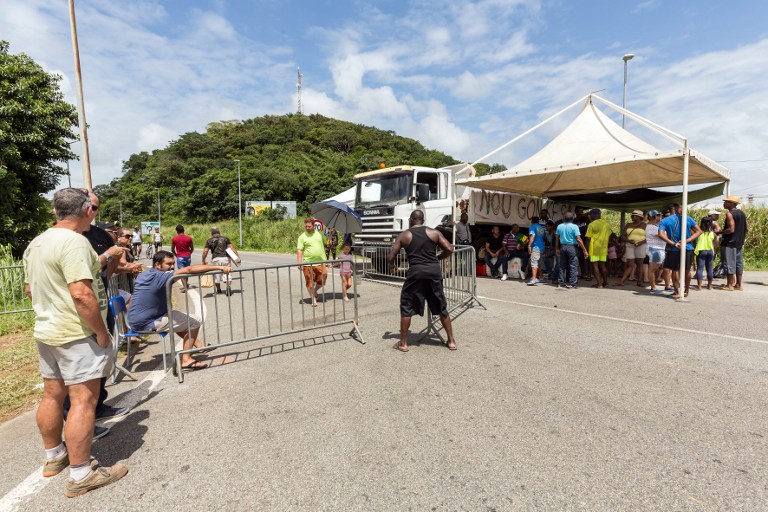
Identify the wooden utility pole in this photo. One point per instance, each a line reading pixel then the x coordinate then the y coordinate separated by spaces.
pixel 87 183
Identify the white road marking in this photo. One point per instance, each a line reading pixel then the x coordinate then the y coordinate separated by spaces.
pixel 35 482
pixel 625 320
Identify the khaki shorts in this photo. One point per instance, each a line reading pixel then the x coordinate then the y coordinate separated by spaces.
pixel 181 323
pixel 219 278
pixel 314 274
pixel 76 362
pixel 632 252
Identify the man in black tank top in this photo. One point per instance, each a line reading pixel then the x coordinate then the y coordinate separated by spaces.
pixel 425 277
pixel 734 233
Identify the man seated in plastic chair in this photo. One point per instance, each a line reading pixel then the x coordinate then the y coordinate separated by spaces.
pixel 149 307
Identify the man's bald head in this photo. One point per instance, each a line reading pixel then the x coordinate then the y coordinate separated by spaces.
pixel 417 218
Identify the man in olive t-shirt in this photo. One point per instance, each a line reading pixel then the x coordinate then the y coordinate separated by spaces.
pixel 311 248
pixel 62 275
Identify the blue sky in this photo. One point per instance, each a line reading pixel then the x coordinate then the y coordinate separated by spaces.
pixel 459 76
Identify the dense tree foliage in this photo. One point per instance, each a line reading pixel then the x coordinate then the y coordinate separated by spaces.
pixel 292 157
pixel 35 126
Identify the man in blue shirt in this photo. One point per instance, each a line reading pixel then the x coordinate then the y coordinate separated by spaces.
pixel 149 307
pixel 536 246
pixel 671 230
pixel 567 237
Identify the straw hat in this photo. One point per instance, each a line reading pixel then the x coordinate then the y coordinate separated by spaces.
pixel 637 213
pixel 733 199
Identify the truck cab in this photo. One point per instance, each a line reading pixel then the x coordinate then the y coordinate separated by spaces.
pixel 386 197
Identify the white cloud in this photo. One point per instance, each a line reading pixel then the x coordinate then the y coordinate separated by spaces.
pixel 154 136
pixel 461 77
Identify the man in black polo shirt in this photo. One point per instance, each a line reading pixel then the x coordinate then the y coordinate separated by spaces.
pixel 109 257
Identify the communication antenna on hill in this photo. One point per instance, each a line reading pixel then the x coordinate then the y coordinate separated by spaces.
pixel 298 89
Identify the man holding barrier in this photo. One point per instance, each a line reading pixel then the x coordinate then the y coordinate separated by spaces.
pixel 425 278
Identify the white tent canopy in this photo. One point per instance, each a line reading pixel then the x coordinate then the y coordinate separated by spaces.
pixel 594 154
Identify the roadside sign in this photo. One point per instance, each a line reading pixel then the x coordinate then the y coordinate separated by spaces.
pixel 149 227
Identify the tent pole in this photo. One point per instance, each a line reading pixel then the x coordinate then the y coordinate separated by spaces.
pixel 728 187
pixel 580 100
pixel 684 224
pixel 453 209
pixel 645 122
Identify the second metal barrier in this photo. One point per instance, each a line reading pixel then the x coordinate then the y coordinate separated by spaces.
pixel 260 303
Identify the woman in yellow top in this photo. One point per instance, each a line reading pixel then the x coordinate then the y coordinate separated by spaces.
pixel 705 252
pixel 635 247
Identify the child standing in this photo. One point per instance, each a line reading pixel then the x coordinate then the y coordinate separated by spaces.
pixel 705 252
pixel 613 242
pixel 345 269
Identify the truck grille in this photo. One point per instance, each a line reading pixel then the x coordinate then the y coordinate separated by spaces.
pixel 379 228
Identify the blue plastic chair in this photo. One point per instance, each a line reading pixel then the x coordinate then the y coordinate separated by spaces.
pixel 123 332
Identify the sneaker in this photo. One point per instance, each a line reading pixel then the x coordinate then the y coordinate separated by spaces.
pixel 504 277
pixel 532 282
pixel 575 287
pixel 569 286
pixel 98 477
pixel 99 432
pixel 52 467
pixel 107 411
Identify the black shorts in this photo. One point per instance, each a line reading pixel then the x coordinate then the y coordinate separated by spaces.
pixel 672 260
pixel 415 291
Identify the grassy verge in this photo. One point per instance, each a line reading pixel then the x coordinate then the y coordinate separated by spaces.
pixel 19 374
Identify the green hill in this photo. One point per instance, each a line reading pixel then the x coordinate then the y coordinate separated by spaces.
pixel 291 157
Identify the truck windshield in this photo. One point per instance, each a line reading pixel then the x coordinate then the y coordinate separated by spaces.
pixel 385 190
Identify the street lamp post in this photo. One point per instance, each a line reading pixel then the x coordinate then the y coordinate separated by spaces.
pixel 239 203
pixel 158 206
pixel 626 58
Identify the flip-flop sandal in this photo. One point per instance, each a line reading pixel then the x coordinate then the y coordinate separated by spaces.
pixel 451 347
pixel 197 365
pixel 397 346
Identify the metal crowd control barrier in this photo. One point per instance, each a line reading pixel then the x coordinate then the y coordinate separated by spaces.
pixel 459 275
pixel 459 271
pixel 12 296
pixel 265 302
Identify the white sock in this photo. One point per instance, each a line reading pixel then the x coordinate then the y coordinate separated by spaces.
pixel 55 452
pixel 79 472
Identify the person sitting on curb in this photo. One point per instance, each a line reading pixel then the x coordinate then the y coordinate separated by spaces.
pixel 149 307
pixel 494 248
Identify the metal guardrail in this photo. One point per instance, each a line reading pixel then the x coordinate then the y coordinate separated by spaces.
pixel 12 296
pixel 266 302
pixel 459 271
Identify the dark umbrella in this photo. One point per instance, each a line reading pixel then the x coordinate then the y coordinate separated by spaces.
pixel 337 215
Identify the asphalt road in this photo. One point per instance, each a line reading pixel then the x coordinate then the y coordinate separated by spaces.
pixel 555 400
